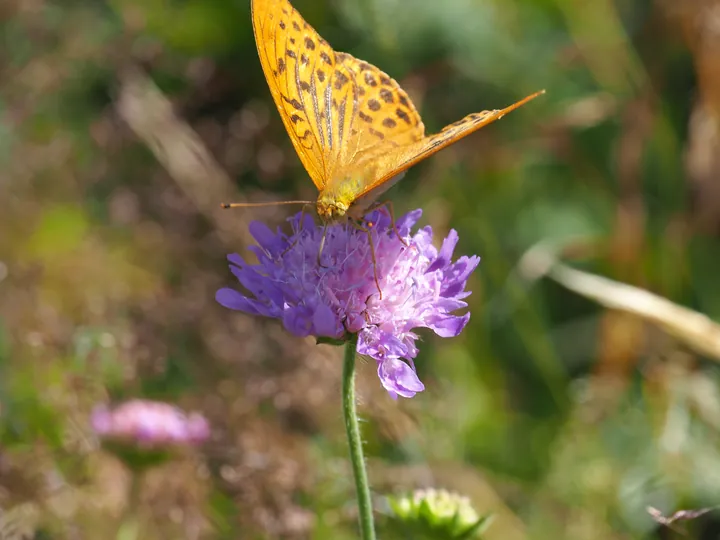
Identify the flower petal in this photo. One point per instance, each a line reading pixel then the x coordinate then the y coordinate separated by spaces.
pixel 259 285
pixel 445 254
pixel 450 326
pixel 298 320
pixel 268 240
pixel 406 222
pixel 232 299
pixel 236 259
pixel 455 277
pixel 326 322
pixel 399 378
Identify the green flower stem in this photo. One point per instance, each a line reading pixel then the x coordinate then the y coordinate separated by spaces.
pixel 130 526
pixel 362 486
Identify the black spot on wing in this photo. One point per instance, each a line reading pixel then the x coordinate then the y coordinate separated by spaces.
pixel 402 115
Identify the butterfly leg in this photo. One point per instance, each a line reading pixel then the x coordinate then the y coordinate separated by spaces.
pixel 388 207
pixel 371 243
pixel 322 246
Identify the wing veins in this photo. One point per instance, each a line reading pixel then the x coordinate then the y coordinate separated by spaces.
pixel 299 89
pixel 328 110
pixel 353 117
pixel 341 119
pixel 316 106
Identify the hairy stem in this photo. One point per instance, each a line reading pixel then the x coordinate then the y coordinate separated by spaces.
pixel 362 486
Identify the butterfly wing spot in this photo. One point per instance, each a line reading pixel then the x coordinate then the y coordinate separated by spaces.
pixel 309 44
pixel 386 95
pixel 402 115
pixel 373 104
pixel 369 79
pixel 295 103
pixel 377 133
pixel 389 123
pixel 340 79
pixel 325 57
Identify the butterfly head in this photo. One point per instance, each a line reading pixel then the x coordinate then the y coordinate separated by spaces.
pixel 331 208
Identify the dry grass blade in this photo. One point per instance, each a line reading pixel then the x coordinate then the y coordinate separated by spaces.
pixel 691 327
pixel 680 515
pixel 180 150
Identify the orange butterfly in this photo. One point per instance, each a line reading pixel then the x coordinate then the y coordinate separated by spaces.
pixel 353 127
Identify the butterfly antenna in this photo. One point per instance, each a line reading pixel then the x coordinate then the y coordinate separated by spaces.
pixel 258 205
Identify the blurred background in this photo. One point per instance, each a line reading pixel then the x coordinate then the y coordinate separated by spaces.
pixel 124 124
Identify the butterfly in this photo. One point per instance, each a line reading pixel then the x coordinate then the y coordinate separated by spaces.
pixel 354 128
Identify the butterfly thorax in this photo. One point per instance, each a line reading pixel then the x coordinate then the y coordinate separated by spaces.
pixel 346 196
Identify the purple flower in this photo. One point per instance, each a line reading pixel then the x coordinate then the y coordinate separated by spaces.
pixel 149 424
pixel 337 296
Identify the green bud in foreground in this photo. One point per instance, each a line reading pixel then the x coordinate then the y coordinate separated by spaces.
pixel 435 514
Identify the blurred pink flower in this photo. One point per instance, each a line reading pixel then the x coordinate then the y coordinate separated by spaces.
pixel 149 424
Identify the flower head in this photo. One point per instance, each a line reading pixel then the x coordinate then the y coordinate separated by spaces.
pixel 436 514
pixel 149 424
pixel 335 295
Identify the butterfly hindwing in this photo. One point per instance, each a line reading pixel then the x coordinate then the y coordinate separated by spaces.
pixel 384 117
pixel 383 168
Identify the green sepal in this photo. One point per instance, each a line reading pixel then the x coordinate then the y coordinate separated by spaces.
pixel 330 341
pixel 476 529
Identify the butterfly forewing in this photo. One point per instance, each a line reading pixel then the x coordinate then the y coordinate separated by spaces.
pixel 286 45
pixel 334 106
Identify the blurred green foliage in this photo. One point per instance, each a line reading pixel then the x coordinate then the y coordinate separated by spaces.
pixel 562 419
